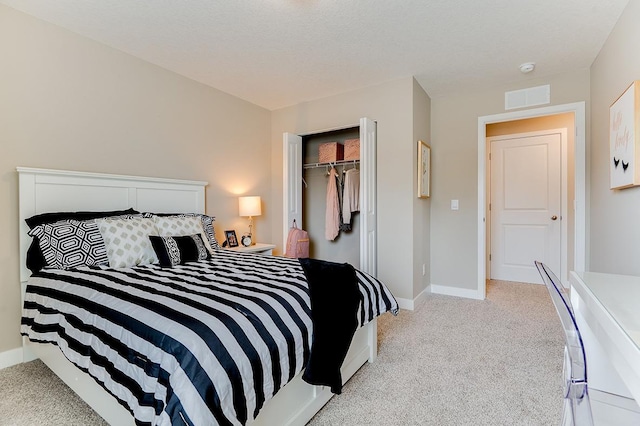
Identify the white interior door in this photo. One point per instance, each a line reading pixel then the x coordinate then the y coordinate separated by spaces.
pixel 526 201
pixel 292 194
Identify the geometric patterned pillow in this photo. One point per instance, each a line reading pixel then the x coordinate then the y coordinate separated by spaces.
pixel 187 224
pixel 71 243
pixel 127 241
pixel 172 251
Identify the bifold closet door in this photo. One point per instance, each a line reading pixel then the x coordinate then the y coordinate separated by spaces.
pixel 368 196
pixel 292 179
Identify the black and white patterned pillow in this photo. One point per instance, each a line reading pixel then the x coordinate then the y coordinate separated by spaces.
pixel 188 224
pixel 126 241
pixel 71 243
pixel 172 251
pixel 207 225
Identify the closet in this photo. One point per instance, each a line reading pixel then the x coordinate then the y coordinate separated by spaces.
pixel 305 190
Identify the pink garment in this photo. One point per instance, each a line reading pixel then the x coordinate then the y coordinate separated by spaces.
pixel 332 215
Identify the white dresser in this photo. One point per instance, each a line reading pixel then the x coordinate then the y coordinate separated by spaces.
pixel 607 309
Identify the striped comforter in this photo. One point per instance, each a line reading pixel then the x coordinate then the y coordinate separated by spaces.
pixel 202 343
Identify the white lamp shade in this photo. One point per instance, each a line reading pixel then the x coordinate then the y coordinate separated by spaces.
pixel 249 206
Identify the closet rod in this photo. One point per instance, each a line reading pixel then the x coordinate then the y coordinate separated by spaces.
pixel 333 163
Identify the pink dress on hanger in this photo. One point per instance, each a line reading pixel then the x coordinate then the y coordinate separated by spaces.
pixel 332 215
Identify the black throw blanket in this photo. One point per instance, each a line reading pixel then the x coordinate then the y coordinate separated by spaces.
pixel 335 298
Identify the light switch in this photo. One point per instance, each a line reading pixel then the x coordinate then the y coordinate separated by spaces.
pixel 454 205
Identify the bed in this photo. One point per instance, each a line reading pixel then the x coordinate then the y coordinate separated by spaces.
pixel 295 403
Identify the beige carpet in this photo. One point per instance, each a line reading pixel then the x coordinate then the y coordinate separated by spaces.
pixel 452 362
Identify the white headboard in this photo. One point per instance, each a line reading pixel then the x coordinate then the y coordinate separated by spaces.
pixel 42 191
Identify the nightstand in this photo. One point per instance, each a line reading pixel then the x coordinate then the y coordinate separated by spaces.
pixel 257 248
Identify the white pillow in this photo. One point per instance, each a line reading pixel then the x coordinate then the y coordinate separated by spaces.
pixel 179 225
pixel 127 241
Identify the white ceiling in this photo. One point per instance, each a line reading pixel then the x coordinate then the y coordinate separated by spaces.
pixel 276 53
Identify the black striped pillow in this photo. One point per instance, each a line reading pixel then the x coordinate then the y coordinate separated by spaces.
pixel 177 250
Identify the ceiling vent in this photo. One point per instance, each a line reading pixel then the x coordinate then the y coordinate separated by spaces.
pixel 532 96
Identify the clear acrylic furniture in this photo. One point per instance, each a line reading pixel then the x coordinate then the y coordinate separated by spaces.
pixel 577 408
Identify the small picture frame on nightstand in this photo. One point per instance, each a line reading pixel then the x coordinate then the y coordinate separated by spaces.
pixel 232 240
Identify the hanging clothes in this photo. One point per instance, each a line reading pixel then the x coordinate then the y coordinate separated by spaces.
pixel 344 227
pixel 332 214
pixel 350 194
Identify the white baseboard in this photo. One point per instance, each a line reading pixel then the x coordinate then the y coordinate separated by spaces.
pixel 456 291
pixel 415 303
pixel 10 357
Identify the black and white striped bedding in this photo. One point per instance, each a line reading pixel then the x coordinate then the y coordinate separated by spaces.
pixel 202 343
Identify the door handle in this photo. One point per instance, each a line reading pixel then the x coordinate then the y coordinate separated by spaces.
pixel 554 217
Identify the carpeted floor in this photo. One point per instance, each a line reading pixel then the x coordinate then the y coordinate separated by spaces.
pixel 452 362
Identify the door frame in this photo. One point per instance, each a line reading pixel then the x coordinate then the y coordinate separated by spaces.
pixel 564 213
pixel 580 246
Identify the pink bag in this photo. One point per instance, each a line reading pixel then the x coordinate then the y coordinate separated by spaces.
pixel 297 242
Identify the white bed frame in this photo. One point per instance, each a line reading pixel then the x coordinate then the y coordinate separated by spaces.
pixel 44 191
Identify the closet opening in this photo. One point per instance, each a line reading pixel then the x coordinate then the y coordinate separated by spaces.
pixel 359 246
pixel 317 192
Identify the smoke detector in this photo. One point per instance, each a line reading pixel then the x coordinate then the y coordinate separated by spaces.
pixel 527 67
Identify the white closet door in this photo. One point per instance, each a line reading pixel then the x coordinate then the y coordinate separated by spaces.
pixel 368 191
pixel 292 179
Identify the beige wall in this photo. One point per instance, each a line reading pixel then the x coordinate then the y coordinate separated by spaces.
pixel 454 141
pixel 421 206
pixel 391 106
pixel 615 215
pixel 67 102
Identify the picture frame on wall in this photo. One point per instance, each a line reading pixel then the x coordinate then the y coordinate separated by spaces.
pixel 624 139
pixel 424 170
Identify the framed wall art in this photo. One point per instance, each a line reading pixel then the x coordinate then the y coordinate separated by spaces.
pixel 624 138
pixel 424 170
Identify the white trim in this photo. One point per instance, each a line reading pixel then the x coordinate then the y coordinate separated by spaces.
pixel 416 302
pixel 10 357
pixel 578 108
pixel 407 304
pixel 467 293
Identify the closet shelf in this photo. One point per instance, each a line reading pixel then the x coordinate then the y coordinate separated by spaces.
pixel 332 163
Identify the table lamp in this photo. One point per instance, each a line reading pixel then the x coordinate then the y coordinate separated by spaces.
pixel 249 206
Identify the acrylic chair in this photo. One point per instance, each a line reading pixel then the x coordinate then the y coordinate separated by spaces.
pixel 577 408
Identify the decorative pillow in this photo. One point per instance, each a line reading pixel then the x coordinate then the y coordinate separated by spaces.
pixel 70 243
pixel 172 251
pixel 35 258
pixel 127 241
pixel 187 224
pixel 207 224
